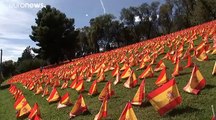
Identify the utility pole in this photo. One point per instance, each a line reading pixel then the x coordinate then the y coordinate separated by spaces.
pixel 1 75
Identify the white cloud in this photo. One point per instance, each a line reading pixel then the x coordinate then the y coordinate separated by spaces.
pixel 15 27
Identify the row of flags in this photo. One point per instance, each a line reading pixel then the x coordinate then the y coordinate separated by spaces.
pixel 173 48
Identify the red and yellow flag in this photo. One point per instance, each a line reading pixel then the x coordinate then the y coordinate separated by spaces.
pixel 46 91
pixel 19 102
pixel 128 113
pixel 93 88
pixel 148 72
pixel 162 78
pixel 160 66
pixel 165 98
pixel 117 80
pixel 79 107
pixel 65 101
pixel 54 96
pixel 131 81
pixel 126 73
pixel 106 92
pixel 24 110
pixel 103 110
pixel 80 86
pixel 34 112
pixel 196 82
pixel 140 94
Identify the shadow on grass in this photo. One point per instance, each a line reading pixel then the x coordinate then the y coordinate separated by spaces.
pixel 179 111
pixel 209 86
pixel 145 104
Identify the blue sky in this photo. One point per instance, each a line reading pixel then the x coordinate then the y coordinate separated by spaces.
pixel 16 19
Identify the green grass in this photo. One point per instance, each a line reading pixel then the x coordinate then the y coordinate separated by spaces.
pixel 193 107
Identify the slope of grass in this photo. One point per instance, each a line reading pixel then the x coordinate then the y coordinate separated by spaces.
pixel 193 107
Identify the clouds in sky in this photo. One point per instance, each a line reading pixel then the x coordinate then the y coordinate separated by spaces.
pixel 16 19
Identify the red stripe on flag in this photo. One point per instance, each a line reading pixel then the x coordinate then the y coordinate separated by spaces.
pixel 170 106
pixel 161 89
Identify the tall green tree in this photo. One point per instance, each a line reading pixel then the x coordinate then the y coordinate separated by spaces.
pixel 54 34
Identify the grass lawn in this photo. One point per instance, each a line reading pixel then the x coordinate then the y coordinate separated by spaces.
pixel 193 107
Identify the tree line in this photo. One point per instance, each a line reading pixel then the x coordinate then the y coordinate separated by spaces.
pixel 58 40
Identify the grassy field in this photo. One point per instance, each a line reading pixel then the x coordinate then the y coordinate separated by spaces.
pixel 193 107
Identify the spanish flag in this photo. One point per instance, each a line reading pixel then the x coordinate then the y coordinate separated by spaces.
pixel 65 101
pixel 79 107
pixel 46 91
pixel 93 88
pixel 54 96
pixel 19 102
pixel 116 70
pixel 80 86
pixel 201 55
pixel 34 112
pixel 126 73
pixel 148 72
pixel 162 78
pixel 196 82
pixel 128 113
pixel 103 110
pixel 24 110
pixel 131 81
pixel 106 92
pixel 165 98
pixel 189 62
pixel 214 69
pixel 140 94
pixel 159 66
pixel 65 84
pixel 117 80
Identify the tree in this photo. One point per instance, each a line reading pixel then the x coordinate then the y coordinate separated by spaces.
pixel 8 68
pixel 26 55
pixel 166 17
pixel 54 34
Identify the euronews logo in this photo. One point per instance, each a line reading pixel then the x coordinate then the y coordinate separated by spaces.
pixel 27 5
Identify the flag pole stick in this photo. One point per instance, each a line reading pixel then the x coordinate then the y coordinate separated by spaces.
pixel 213 110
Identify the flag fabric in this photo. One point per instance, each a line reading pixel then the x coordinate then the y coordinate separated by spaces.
pixel 116 70
pixel 196 82
pixel 39 89
pixel 54 96
pixel 64 85
pixel 140 94
pixel 93 88
pixel 131 81
pixel 128 113
pixel 201 55
pixel 148 72
pixel 160 66
pixel 214 69
pixel 24 110
pixel 117 80
pixel 106 91
pixel 165 98
pixel 65 101
pixel 162 78
pixel 80 86
pixel 126 73
pixel 103 110
pixel 45 91
pixel 177 68
pixel 189 62
pixel 79 107
pixel 19 102
pixel 34 112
